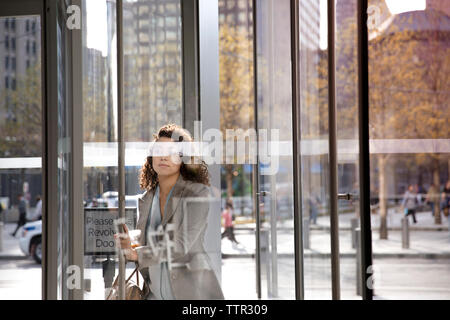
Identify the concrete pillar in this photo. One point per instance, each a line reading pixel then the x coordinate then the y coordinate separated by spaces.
pixel 405 233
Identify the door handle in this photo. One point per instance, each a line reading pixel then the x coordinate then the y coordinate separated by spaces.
pixel 263 193
pixel 345 196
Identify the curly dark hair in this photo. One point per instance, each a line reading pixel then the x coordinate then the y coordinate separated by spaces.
pixel 196 172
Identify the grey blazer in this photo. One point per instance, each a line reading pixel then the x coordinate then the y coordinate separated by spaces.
pixel 187 210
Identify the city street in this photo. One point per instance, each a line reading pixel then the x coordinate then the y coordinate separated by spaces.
pixel 420 272
pixel 394 279
pixel 20 279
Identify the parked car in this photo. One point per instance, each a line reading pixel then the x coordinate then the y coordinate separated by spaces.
pixel 130 201
pixel 30 241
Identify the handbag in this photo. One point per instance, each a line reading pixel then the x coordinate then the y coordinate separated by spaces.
pixel 132 289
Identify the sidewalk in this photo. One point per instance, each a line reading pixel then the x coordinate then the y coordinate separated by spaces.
pixel 10 244
pixel 427 240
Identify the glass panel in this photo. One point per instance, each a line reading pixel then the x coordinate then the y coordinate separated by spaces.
pixel 64 163
pixel 20 162
pixel 100 174
pixel 346 69
pixel 152 70
pixel 153 99
pixel 276 171
pixel 409 64
pixel 236 67
pixel 313 68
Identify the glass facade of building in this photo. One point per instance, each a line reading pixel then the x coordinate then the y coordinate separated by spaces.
pixel 323 123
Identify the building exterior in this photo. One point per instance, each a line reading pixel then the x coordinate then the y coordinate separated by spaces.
pixel 312 200
pixel 20 51
pixel 440 5
pixel 152 50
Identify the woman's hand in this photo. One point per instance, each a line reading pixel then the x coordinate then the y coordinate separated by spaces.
pixel 123 242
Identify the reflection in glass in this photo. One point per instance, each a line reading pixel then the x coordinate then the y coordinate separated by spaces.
pixel 174 255
pixel 20 159
pixel 313 68
pixel 274 115
pixel 152 78
pixel 237 103
pixel 347 140
pixel 99 76
pixel 409 60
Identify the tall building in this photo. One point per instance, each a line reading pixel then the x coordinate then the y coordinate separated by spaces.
pixel 20 50
pixel 238 13
pixel 310 24
pixel 95 94
pixel 152 65
pixel 345 9
pixel 309 56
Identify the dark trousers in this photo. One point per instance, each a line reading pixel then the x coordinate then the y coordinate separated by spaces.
pixel 20 223
pixel 313 215
pixel 413 213
pixel 229 233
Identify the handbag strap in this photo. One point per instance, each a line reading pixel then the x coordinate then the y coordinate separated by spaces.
pixel 137 276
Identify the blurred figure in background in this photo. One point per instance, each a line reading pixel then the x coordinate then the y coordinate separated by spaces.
pixel 313 210
pixel 38 213
pixel 409 203
pixel 445 199
pixel 432 197
pixel 421 194
pixel 22 213
pixel 227 215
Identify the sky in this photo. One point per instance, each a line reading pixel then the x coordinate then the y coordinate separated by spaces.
pixel 96 25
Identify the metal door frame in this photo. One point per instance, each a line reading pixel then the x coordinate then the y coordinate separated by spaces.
pixel 364 155
pixel 200 85
pixel 364 164
pixel 54 274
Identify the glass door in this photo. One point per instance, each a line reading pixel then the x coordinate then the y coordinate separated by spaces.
pixel 21 149
pixel 328 183
pixel 347 139
pixel 274 191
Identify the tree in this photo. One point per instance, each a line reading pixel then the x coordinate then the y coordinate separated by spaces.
pixel 21 131
pixel 409 94
pixel 409 90
pixel 236 86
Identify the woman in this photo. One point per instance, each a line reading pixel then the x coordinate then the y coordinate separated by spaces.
pixel 175 196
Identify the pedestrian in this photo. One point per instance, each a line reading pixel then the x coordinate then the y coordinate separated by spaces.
pixel 94 203
pixel 432 197
pixel 419 194
pixel 22 213
pixel 409 203
pixel 38 213
pixel 227 214
pixel 445 199
pixel 313 211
